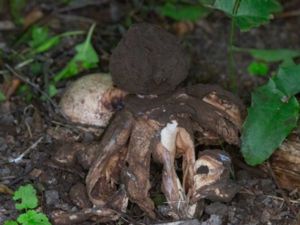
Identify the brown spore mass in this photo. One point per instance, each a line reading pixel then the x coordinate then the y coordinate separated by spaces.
pixel 148 60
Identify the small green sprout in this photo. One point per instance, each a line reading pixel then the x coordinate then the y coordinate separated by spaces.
pixel 10 222
pixel 41 41
pixel 32 217
pixel 258 68
pixel 26 199
pixel 183 12
pixel 27 195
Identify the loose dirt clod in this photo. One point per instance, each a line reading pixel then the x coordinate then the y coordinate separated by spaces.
pixel 148 60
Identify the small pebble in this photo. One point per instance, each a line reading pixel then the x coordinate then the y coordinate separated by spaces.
pixel 216 208
pixel 181 222
pixel 4 171
pixel 52 197
pixel 213 220
pixel 3 145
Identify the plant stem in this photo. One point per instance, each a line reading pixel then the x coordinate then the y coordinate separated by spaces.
pixel 231 64
pixel 89 36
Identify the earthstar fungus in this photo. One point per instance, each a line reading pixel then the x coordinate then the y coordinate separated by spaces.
pixel 158 123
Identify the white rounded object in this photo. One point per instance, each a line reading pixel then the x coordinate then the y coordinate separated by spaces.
pixel 91 100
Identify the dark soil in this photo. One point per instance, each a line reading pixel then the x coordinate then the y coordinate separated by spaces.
pixel 37 125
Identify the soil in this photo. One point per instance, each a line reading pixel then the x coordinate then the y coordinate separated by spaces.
pixel 38 129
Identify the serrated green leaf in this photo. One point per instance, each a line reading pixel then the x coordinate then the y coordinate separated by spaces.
pixel 2 96
pixel 288 80
pixel 270 55
pixel 86 58
pixel 183 12
pixel 33 217
pixel 10 222
pixel 27 195
pixel 250 13
pixel 270 119
pixel 258 69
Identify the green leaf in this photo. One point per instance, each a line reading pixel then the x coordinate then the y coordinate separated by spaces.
pixel 183 12
pixel 270 55
pixel 27 195
pixel 33 217
pixel 38 36
pixel 10 222
pixel 41 41
pixel 258 69
pixel 70 70
pixel 270 119
pixel 86 54
pixel 86 58
pixel 2 96
pixel 250 13
pixel 288 80
pixel 48 44
pixel 53 41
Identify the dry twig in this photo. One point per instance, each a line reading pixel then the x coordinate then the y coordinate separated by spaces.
pixel 20 157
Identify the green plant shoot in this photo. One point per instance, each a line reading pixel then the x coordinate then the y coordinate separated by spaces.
pixel 270 55
pixel 86 58
pixel 250 13
pixel 258 69
pixel 10 222
pixel 32 217
pixel 41 41
pixel 27 197
pixel 183 12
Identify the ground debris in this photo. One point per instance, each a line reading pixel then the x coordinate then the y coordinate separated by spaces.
pixel 213 220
